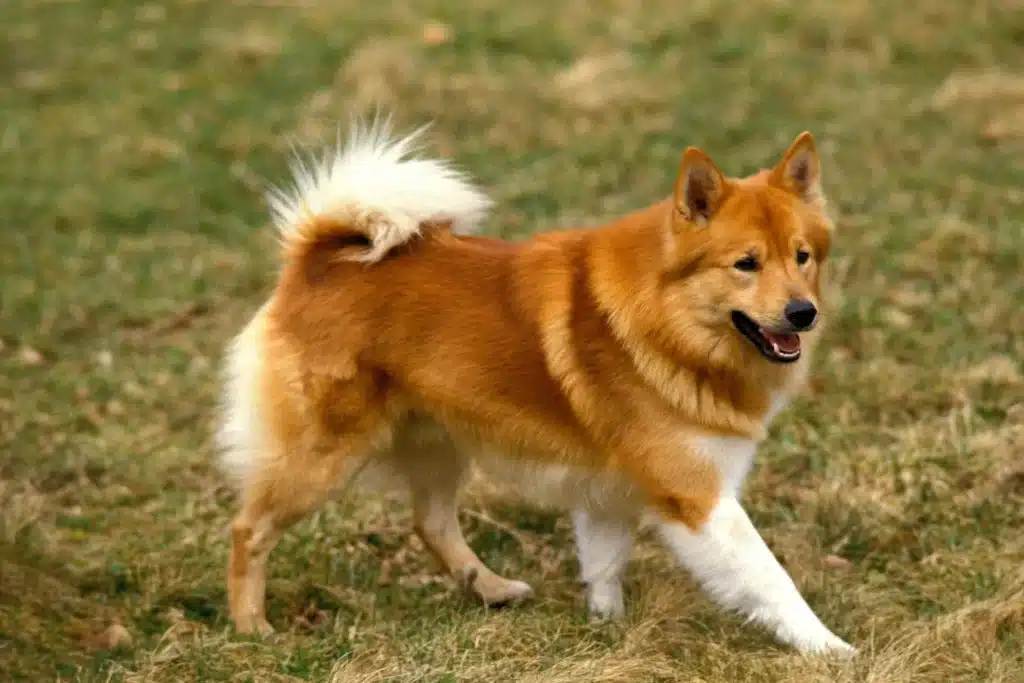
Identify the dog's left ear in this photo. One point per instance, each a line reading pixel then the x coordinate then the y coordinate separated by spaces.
pixel 799 171
pixel 700 187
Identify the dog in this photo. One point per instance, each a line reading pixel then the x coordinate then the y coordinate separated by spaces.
pixel 624 372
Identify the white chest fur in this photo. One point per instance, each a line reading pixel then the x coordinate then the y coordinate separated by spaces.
pixel 733 456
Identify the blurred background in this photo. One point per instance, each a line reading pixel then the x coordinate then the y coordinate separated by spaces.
pixel 136 140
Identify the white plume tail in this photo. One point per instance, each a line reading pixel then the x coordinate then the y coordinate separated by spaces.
pixel 372 193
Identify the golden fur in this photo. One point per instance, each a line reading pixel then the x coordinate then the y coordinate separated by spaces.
pixel 580 363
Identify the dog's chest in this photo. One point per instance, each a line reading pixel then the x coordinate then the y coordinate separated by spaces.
pixel 733 456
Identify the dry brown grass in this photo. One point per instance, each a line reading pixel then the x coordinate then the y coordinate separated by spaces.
pixel 135 140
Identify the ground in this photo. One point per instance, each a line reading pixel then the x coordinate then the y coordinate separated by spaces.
pixel 135 143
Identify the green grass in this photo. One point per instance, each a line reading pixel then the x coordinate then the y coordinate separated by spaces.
pixel 134 143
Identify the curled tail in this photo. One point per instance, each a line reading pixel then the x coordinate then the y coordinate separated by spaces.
pixel 370 194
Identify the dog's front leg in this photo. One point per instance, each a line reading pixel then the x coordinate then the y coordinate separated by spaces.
pixel 734 565
pixel 603 543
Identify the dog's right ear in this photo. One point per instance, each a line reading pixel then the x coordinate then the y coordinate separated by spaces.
pixel 700 187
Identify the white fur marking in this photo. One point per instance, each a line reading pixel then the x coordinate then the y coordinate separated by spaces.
pixel 376 181
pixel 732 457
pixel 239 433
pixel 734 565
pixel 604 545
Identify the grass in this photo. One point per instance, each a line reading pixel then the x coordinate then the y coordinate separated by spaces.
pixel 134 141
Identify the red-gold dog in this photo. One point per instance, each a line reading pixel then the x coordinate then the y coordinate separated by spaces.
pixel 625 372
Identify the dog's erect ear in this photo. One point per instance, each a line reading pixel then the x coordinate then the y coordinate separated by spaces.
pixel 799 171
pixel 700 187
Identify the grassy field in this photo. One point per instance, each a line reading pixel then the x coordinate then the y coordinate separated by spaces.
pixel 135 140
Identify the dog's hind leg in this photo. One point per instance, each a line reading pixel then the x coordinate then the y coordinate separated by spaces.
pixel 279 495
pixel 254 533
pixel 435 474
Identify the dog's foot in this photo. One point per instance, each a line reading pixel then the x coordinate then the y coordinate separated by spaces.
pixel 254 626
pixel 494 590
pixel 826 645
pixel 797 626
pixel 604 600
pixel 839 648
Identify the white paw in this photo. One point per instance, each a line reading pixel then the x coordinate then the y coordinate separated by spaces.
pixel 799 627
pixel 604 600
pixel 826 644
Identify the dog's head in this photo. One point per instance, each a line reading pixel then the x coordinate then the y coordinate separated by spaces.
pixel 746 254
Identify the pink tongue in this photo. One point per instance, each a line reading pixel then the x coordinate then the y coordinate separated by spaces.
pixel 786 343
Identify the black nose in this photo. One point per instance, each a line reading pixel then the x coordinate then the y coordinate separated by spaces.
pixel 800 313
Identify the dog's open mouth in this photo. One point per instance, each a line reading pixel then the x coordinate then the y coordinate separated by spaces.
pixel 778 347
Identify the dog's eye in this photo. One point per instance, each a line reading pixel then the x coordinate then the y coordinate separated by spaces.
pixel 802 255
pixel 747 265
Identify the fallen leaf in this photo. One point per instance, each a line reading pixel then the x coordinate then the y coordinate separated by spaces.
pixel 836 562
pixel 310 619
pixel 30 356
pixel 436 33
pixel 113 637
